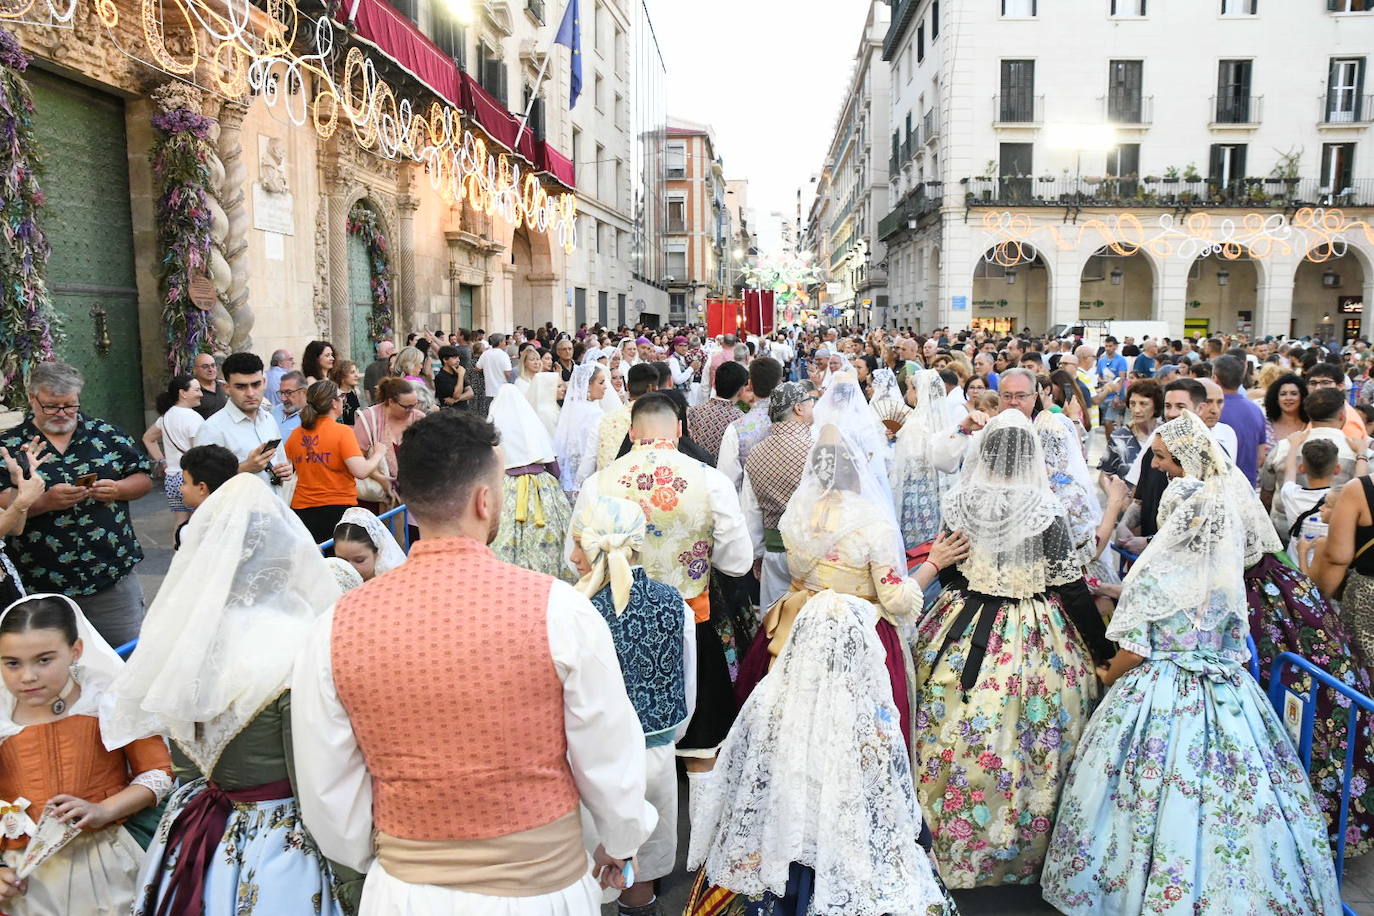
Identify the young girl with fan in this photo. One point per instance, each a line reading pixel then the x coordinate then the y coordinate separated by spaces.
pixel 56 669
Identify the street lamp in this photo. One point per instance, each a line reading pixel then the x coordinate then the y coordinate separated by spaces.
pixel 1115 276
pixel 1331 279
pixel 911 219
pixel 1010 275
pixel 1223 277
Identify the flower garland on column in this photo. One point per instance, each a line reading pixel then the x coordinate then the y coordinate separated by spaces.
pixel 362 222
pixel 182 171
pixel 29 325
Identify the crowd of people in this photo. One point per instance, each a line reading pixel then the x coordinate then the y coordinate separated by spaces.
pixel 863 588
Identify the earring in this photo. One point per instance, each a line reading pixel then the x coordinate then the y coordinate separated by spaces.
pixel 77 670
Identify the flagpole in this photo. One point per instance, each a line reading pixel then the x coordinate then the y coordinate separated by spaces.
pixel 539 80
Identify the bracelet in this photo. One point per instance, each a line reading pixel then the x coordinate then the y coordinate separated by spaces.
pixel 961 431
pixel 931 564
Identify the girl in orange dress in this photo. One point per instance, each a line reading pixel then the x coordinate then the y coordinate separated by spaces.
pixel 55 668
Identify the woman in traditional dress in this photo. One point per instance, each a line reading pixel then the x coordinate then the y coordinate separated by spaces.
pixel 1288 613
pixel 810 807
pixel 362 541
pixel 916 483
pixel 545 394
pixel 840 535
pixel 843 405
pixel 212 672
pixel 55 768
pixel 575 439
pixel 1186 796
pixel 1004 669
pixel 1070 481
pixel 530 364
pixel 535 513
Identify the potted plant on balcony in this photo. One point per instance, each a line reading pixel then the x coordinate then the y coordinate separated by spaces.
pixel 1171 175
pixel 1285 169
pixel 989 171
pixel 1151 179
pixel 1190 173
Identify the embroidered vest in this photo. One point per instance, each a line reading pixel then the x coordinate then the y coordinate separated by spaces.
pixel 671 489
pixel 775 468
pixel 753 428
pixel 706 423
pixel 464 736
pixel 648 642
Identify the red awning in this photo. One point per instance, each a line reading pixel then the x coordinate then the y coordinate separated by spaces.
pixel 400 39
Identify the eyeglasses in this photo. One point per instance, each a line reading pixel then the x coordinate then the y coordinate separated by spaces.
pixel 287 392
pixel 1015 395
pixel 52 410
pixel 409 406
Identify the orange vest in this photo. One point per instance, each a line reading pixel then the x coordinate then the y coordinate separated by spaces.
pixel 443 665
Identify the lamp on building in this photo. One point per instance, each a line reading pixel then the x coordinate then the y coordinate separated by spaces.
pixel 1223 277
pixel 1010 275
pixel 1115 276
pixel 911 219
pixel 1326 318
pixel 1331 279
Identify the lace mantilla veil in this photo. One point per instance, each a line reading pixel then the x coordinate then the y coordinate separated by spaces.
pixel 220 639
pixel 1070 481
pixel 1019 540
pixel 838 498
pixel 577 413
pixel 389 553
pixel 815 771
pixel 926 421
pixel 1195 563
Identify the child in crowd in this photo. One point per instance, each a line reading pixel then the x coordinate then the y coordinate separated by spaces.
pixel 364 543
pixel 53 763
pixel 1317 460
pixel 654 634
pixel 204 469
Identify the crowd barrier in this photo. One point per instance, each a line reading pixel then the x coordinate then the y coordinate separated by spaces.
pixel 127 649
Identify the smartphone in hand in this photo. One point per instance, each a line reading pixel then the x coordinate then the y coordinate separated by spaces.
pixel 86 480
pixel 269 446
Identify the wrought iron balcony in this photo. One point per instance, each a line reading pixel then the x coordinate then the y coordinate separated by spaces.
pixel 1345 108
pixel 1120 108
pixel 1171 193
pixel 1018 108
pixel 1236 109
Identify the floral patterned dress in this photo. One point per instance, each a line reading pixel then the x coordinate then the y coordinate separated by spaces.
pixel 1186 797
pixel 535 515
pixel 1288 614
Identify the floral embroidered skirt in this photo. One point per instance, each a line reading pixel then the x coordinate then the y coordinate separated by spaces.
pixel 267 863
pixel 990 760
pixel 709 900
pixel 1288 614
pixel 1187 799
pixel 918 496
pixel 522 540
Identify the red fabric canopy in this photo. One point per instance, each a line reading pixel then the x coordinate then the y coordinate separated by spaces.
pixel 402 41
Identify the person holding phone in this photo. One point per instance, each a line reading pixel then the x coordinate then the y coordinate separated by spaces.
pixel 79 539
pixel 245 425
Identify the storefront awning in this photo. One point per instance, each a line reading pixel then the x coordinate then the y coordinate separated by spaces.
pixel 382 26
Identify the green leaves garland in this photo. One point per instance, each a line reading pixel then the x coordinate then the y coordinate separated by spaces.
pixel 362 222
pixel 29 325
pixel 180 160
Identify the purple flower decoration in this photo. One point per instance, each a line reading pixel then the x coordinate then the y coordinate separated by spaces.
pixel 11 54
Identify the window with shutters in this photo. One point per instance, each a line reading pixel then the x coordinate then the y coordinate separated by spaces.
pixel 449 34
pixel 1344 91
pixel 491 72
pixel 1227 169
pixel 675 263
pixel 677 213
pixel 1239 7
pixel 1014 168
pixel 920 42
pixel 1127 8
pixel 1350 6
pixel 677 160
pixel 1124 79
pixel 1022 8
pixel 1017 100
pixel 1123 164
pixel 536 110
pixel 407 8
pixel 1338 167
pixel 1233 101
pixel 935 20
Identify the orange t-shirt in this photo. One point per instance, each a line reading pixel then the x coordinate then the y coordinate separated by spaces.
pixel 318 455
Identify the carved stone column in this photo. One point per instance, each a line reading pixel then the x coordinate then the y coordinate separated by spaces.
pixel 340 329
pixel 404 266
pixel 234 246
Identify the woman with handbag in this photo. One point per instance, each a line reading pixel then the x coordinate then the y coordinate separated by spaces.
pixel 385 422
pixel 172 434
pixel 328 461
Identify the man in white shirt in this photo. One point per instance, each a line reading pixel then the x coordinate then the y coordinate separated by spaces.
pixel 1210 413
pixel 682 370
pixel 470 800
pixel 245 425
pixel 1017 389
pixel 495 365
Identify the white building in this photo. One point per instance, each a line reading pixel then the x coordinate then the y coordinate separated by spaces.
pixel 852 192
pixel 1033 187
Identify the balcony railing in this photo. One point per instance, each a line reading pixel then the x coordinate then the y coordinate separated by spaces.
pixel 905 152
pixel 1236 109
pixel 923 199
pixel 1152 191
pixel 930 127
pixel 677 226
pixel 1345 108
pixel 1019 108
pixel 1128 109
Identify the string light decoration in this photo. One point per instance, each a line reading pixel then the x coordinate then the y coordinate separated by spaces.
pixel 787 274
pixel 1320 234
pixel 242 49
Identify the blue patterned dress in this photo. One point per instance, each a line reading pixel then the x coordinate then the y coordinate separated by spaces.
pixel 1186 796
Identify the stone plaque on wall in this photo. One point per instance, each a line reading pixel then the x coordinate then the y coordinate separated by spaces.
pixel 272 201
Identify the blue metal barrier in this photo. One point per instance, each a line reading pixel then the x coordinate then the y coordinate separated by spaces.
pixel 127 649
pixel 385 516
pixel 1127 558
pixel 1358 701
pixel 1253 664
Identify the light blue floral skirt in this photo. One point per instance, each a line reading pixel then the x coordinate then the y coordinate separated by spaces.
pixel 1186 797
pixel 266 864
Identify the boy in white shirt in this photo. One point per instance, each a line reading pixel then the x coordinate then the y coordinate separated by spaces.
pixel 1317 461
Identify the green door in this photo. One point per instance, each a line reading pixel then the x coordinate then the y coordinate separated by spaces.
pixel 359 301
pixel 465 299
pixel 81 134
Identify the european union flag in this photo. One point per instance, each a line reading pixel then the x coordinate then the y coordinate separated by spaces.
pixel 570 35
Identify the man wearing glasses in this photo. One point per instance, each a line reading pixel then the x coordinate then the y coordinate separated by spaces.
pixel 79 540
pixel 1017 390
pixel 290 401
pixel 213 396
